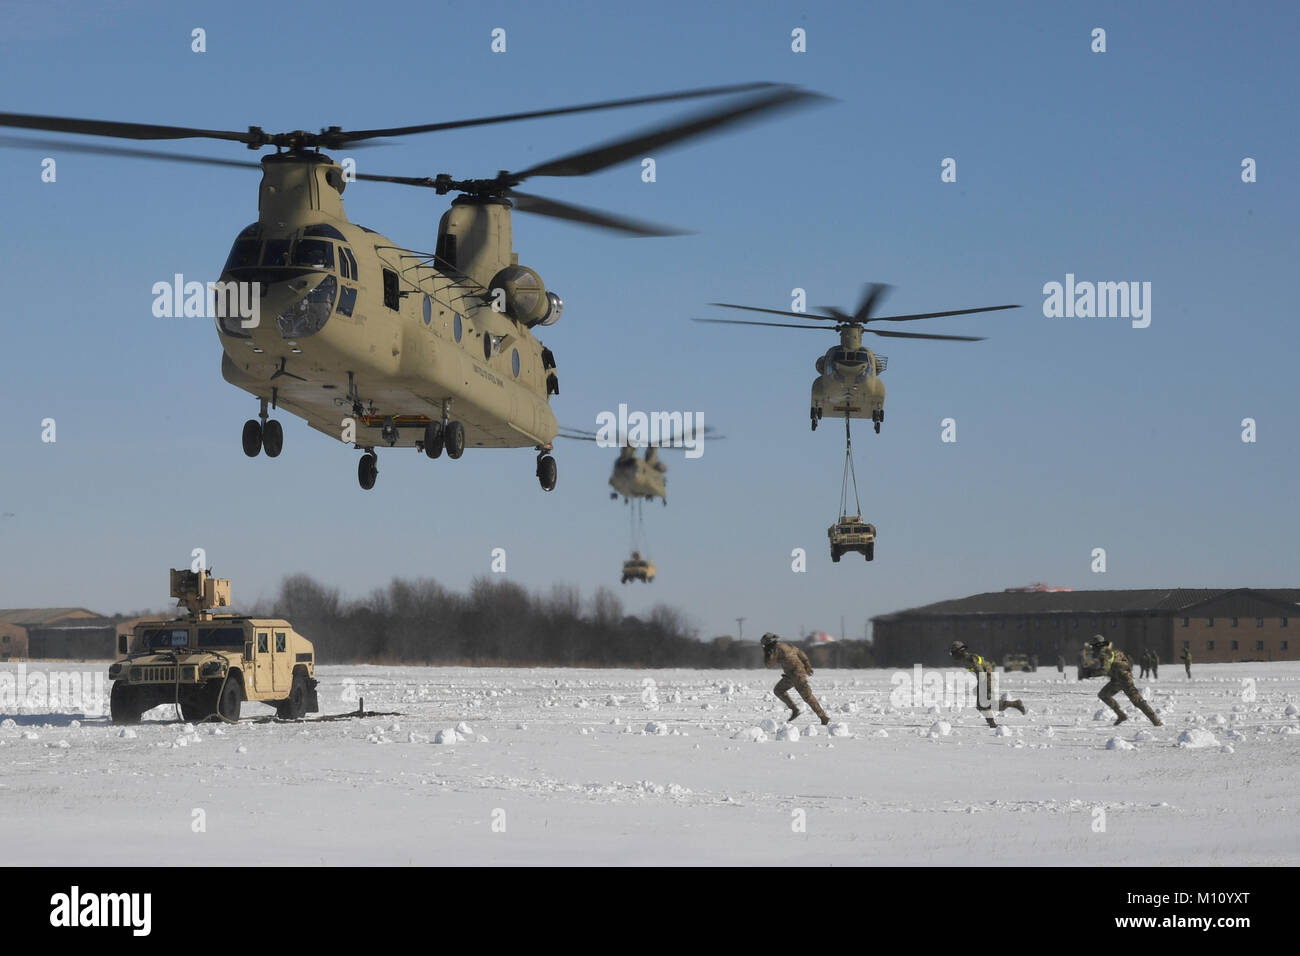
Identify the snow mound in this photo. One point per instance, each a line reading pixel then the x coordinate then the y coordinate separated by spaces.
pixel 215 731
pixel 1116 744
pixel 768 725
pixel 754 734
pixel 1050 731
pixel 1219 720
pixel 881 732
pixel 1143 737
pixel 1227 749
pixel 838 729
pixel 7 724
pixel 241 749
pixel 940 728
pixel 1291 710
pixel 848 708
pixel 788 732
pixel 1102 714
pixel 1288 730
pixel 463 729
pixel 656 729
pixel 1195 737
pixel 811 731
pixel 1004 731
pixel 447 735
pixel 127 733
pixel 31 735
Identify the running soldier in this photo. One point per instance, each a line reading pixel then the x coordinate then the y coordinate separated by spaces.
pixel 1145 659
pixel 1116 665
pixel 983 671
pixel 796 670
pixel 1155 665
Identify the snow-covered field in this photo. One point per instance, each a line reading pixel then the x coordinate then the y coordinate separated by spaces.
pixel 662 767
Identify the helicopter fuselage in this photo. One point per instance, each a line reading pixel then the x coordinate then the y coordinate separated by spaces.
pixel 368 342
pixel 848 381
pixel 636 477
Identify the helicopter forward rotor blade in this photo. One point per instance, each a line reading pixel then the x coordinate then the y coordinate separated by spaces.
pixel 938 315
pixel 351 136
pixel 793 315
pixel 602 157
pixel 776 325
pixel 89 127
pixel 925 335
pixel 19 142
pixel 541 206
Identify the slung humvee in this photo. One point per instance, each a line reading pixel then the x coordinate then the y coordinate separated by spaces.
pixel 210 663
pixel 851 533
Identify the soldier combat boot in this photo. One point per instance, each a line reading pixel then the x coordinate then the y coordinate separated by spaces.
pixel 1151 714
pixel 991 722
pixel 794 712
pixel 1120 719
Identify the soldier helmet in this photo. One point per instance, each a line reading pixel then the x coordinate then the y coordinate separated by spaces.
pixel 957 649
pixel 1099 641
pixel 768 638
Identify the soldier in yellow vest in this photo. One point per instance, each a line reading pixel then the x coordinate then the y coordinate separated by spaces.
pixel 1116 665
pixel 796 670
pixel 983 671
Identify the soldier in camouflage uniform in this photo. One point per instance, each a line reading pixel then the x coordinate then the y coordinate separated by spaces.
pixel 1155 665
pixel 983 671
pixel 1187 661
pixel 1119 669
pixel 1145 660
pixel 796 670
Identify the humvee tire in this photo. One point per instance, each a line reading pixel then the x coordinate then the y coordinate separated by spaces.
pixel 835 554
pixel 232 694
pixel 124 704
pixel 871 552
pixel 294 706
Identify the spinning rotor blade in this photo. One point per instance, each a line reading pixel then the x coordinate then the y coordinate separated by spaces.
pixel 357 135
pixel 18 142
pixel 777 325
pixel 871 295
pixel 793 315
pixel 525 202
pixel 925 335
pixel 62 124
pixel 601 157
pixel 937 315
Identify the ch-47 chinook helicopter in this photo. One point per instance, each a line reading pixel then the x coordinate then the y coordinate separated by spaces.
pixel 377 344
pixel 848 376
pixel 638 477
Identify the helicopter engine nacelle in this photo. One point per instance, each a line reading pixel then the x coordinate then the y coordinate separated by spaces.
pixel 557 309
pixel 821 365
pixel 522 295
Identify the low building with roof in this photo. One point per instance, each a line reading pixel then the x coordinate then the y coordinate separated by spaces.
pixel 1214 624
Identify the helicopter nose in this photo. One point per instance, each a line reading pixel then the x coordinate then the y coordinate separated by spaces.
pixel 301 304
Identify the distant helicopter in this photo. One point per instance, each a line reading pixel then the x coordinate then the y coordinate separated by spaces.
pixel 848 381
pixel 375 344
pixel 637 477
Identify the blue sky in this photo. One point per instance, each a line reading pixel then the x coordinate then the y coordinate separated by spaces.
pixel 1073 434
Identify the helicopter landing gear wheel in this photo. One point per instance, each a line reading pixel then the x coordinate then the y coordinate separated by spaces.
pixel 433 439
pixel 546 472
pixel 272 438
pixel 252 437
pixel 368 470
pixel 453 439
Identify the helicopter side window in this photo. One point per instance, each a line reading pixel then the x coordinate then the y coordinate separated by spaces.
pixel 276 253
pixel 347 300
pixel 345 264
pixel 316 253
pixel 391 298
pixel 243 254
pixel 352 261
pixel 324 231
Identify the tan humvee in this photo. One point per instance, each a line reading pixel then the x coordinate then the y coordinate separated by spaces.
pixel 210 663
pixel 851 533
pixel 638 569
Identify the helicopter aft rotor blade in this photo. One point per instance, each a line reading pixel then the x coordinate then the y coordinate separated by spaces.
pixel 939 315
pixel 776 325
pixel 754 308
pixel 924 335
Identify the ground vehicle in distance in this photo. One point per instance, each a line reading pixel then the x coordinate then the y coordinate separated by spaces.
pixel 1089 664
pixel 210 663
pixel 1020 662
pixel 851 533
pixel 638 568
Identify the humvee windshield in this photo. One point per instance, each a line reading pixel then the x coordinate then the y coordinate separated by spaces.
pixel 166 637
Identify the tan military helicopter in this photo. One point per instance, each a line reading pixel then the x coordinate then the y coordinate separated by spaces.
pixel 848 381
pixel 375 344
pixel 638 477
